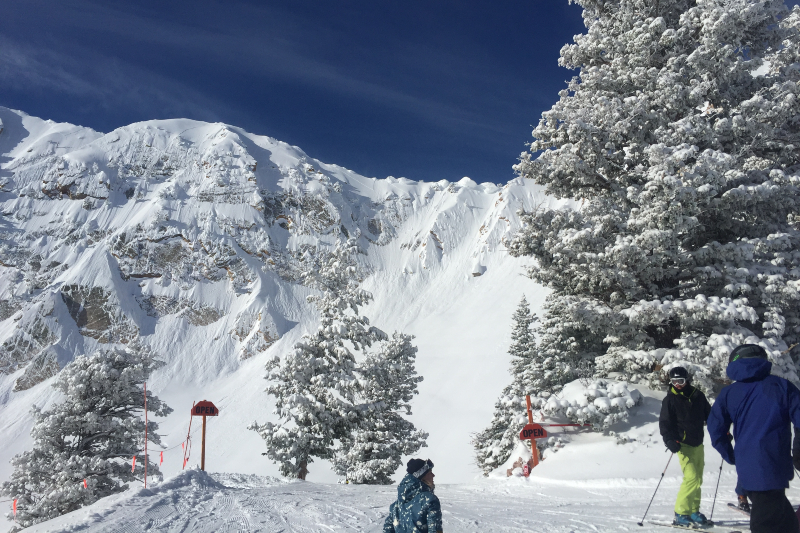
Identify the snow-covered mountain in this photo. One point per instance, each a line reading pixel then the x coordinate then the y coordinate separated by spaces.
pixel 190 236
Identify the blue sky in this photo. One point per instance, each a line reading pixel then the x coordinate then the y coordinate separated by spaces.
pixel 423 89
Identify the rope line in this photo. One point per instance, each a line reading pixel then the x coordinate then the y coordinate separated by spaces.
pixel 194 433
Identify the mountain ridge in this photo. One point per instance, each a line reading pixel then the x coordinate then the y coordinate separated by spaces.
pixel 190 236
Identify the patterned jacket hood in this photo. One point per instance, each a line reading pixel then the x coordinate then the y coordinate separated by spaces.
pixel 410 487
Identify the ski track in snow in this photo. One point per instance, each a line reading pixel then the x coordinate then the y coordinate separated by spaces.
pixel 199 503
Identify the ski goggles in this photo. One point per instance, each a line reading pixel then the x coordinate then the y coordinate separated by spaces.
pixel 678 381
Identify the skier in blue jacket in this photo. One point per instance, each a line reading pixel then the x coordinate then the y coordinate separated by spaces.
pixel 417 509
pixel 762 409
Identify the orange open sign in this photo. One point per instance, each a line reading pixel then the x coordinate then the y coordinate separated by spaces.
pixel 532 431
pixel 205 408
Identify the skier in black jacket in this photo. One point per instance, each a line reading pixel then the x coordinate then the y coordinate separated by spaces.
pixel 684 411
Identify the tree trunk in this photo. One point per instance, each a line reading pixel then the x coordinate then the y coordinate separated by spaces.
pixel 303 470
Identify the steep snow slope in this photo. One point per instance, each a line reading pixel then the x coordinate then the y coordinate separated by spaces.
pixel 190 236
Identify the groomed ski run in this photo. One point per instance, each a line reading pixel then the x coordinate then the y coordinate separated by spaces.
pixel 204 503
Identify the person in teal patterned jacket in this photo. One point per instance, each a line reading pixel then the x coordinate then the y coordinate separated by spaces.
pixel 417 509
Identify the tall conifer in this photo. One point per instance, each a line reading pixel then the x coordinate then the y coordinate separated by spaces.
pixel 329 405
pixel 678 142
pixel 382 435
pixel 493 445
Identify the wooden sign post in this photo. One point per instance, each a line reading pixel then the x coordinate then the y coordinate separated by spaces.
pixel 204 409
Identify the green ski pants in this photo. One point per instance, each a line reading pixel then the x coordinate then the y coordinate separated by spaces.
pixel 692 459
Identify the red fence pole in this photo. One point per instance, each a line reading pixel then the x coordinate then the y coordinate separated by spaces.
pixel 145 435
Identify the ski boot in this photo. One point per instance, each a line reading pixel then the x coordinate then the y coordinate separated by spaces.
pixel 700 520
pixel 683 520
pixel 744 505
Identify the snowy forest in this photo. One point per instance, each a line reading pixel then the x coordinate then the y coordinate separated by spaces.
pixel 653 223
pixel 678 138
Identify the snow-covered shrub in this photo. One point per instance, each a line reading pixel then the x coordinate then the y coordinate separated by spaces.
pixel 602 404
pixel 92 434
pixel 683 163
pixel 552 443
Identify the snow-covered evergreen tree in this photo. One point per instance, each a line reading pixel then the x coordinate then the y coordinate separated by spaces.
pixel 315 386
pixel 387 383
pixel 556 362
pixel 493 445
pixel 92 434
pixel 678 141
pixel 523 346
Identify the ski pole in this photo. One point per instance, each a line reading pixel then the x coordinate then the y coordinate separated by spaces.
pixel 654 492
pixel 715 490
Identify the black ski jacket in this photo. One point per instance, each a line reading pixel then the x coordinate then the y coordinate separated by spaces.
pixel 683 414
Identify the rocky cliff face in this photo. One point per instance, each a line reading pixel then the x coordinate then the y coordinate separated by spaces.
pixel 103 235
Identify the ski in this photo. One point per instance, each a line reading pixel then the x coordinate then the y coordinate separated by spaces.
pixel 710 527
pixel 736 508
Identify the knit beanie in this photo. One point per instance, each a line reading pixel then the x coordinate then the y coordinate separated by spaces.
pixel 418 467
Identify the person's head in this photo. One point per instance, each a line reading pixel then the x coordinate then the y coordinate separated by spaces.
pixel 747 351
pixel 421 469
pixel 679 377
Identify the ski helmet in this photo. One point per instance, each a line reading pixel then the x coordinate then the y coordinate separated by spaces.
pixel 679 372
pixel 747 351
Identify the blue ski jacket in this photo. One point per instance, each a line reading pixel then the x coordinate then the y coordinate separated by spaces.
pixel 762 409
pixel 417 509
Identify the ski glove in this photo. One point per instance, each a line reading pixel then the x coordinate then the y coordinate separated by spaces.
pixel 673 446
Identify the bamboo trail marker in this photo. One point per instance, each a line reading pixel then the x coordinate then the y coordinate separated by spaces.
pixel 186 445
pixel 204 409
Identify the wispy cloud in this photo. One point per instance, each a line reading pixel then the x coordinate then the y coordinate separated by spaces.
pixel 26 68
pixel 102 82
pixel 261 51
